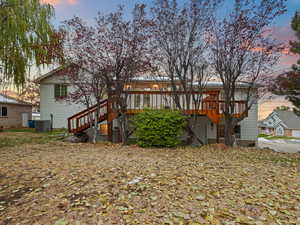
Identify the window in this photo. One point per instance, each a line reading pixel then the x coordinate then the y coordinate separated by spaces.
pixel 146 100
pixel 137 100
pixel 104 129
pixel 237 131
pixel 155 86
pixel 60 91
pixel 3 111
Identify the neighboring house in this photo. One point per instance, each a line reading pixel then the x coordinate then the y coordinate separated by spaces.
pixel 14 113
pixel 145 92
pixel 281 123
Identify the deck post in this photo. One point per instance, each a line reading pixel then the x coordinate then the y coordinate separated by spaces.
pixel 218 133
pixel 69 125
pixel 77 123
pixel 109 118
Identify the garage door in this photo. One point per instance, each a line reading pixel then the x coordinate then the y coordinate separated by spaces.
pixel 296 133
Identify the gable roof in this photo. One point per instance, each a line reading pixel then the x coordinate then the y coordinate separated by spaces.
pixel 10 100
pixel 262 123
pixel 49 74
pixel 289 118
pixel 149 78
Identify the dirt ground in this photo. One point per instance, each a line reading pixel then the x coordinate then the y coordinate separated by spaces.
pixel 62 183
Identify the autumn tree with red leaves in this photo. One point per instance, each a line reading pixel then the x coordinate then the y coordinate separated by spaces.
pixel 31 93
pixel 111 52
pixel 243 52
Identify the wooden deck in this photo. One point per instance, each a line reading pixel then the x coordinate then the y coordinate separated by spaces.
pixel 137 101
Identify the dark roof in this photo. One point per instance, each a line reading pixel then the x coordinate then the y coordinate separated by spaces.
pixel 289 118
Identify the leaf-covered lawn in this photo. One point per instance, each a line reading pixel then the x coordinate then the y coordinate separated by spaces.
pixel 16 137
pixel 62 183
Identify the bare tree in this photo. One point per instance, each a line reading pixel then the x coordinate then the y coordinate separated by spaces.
pixel 179 38
pixel 112 51
pixel 242 52
pixel 126 55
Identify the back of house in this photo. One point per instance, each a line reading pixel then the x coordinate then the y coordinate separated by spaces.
pixel 148 92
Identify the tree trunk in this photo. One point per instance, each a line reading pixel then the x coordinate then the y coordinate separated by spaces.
pixel 123 126
pixel 191 132
pixel 95 131
pixel 94 139
pixel 229 129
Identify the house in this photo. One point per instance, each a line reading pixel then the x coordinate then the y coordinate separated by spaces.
pixel 146 92
pixel 281 123
pixel 14 113
pixel 54 88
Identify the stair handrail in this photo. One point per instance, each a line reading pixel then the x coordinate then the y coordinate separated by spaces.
pixel 82 114
pixel 87 110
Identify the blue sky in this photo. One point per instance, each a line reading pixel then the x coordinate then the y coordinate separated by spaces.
pixel 87 9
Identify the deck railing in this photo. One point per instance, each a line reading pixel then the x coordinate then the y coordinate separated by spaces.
pixel 83 119
pixel 139 100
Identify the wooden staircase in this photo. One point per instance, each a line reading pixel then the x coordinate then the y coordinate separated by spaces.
pixel 83 120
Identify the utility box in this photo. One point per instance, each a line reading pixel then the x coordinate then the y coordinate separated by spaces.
pixel 31 123
pixel 116 135
pixel 43 125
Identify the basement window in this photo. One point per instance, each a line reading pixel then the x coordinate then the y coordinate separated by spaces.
pixel 3 111
pixel 60 91
pixel 237 131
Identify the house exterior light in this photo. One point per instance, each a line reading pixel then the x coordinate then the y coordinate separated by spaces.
pixel 155 86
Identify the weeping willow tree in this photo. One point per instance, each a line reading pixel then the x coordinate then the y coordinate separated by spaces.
pixel 26 38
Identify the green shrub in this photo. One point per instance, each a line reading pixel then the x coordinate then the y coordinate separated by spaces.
pixel 263 135
pixel 159 128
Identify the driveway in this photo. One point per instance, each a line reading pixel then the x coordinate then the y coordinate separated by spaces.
pixel 280 145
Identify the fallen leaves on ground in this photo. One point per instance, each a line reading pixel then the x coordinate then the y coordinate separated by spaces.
pixel 66 184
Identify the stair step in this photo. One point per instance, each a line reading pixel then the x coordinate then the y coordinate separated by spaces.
pixel 81 121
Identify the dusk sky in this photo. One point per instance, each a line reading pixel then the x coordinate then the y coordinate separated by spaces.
pixel 87 9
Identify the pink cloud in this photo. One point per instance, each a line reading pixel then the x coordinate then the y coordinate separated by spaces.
pixel 285 34
pixel 72 2
pixel 288 60
pixel 52 2
pixel 58 2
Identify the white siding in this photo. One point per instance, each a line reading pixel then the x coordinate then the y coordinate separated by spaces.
pixel 61 110
pixel 249 129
